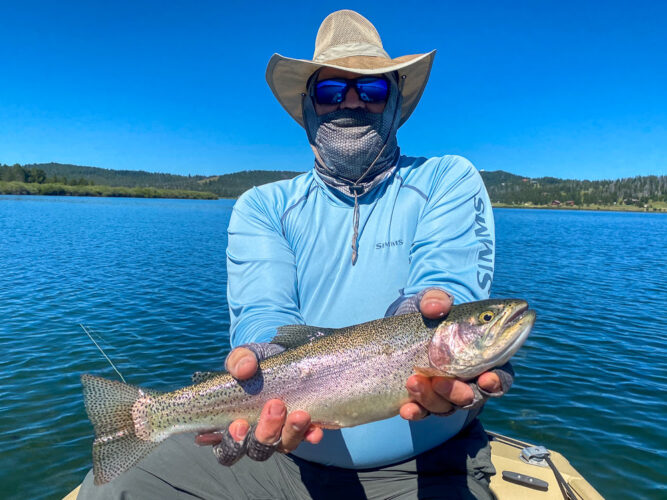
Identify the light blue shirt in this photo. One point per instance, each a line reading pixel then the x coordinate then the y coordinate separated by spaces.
pixel 289 262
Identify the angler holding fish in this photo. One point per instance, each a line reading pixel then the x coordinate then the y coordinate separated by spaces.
pixel 384 408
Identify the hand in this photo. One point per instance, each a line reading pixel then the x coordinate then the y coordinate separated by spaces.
pixel 274 425
pixel 438 394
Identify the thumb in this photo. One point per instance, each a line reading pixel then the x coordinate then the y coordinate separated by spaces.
pixel 241 363
pixel 435 304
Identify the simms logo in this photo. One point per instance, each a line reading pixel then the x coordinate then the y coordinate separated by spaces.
pixel 385 244
pixel 485 255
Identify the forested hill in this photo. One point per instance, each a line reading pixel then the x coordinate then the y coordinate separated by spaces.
pixel 503 187
pixel 108 177
pixel 225 186
pixel 511 189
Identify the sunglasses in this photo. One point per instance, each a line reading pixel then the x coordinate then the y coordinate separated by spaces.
pixel 369 88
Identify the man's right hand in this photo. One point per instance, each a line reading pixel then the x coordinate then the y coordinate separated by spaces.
pixel 438 395
pixel 274 425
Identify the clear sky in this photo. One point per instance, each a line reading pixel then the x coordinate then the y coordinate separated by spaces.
pixel 571 89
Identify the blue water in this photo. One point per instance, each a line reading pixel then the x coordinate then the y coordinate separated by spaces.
pixel 147 277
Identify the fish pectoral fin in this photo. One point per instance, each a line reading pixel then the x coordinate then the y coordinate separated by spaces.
pixel 291 336
pixel 429 371
pixel 199 377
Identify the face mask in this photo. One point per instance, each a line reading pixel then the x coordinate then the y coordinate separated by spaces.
pixel 349 140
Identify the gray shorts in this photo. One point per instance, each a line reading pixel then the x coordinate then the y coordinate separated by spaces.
pixel 457 469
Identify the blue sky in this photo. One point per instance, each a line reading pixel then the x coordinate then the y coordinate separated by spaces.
pixel 560 88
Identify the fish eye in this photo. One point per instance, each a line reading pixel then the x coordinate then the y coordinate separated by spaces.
pixel 486 316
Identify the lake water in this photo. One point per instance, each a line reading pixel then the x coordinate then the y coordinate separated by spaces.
pixel 147 277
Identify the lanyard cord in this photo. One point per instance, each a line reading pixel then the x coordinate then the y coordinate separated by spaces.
pixel 357 189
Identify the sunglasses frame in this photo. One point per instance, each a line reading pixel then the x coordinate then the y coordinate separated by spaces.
pixel 350 83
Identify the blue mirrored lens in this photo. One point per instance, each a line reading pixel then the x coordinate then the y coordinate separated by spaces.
pixel 370 89
pixel 330 91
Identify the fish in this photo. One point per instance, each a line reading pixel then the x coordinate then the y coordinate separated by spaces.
pixel 342 377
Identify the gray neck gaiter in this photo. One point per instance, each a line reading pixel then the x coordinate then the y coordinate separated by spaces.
pixel 353 147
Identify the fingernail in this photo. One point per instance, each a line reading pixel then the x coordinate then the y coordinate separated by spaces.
pixel 276 410
pixel 436 304
pixel 240 432
pixel 298 427
pixel 241 363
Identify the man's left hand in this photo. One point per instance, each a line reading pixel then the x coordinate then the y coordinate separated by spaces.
pixel 438 394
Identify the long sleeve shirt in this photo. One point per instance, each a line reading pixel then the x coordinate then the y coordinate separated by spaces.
pixel 289 262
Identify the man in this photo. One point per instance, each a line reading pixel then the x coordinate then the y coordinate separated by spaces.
pixel 366 233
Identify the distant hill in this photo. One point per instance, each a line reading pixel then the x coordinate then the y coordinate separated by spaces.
pixel 503 187
pixel 225 186
pixel 233 185
pixel 108 177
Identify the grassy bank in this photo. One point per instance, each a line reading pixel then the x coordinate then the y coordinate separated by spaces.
pixel 58 189
pixel 657 206
pixel 51 189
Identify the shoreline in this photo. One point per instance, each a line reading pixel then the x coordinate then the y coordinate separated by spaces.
pixel 103 191
pixel 587 208
pixel 14 188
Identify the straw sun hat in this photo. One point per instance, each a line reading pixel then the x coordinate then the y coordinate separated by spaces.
pixel 346 40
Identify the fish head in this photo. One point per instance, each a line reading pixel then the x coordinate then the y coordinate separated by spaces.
pixel 479 335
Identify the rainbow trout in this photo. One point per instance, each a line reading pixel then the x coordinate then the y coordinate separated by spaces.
pixel 342 377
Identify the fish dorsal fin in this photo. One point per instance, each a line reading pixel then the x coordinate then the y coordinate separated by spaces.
pixel 291 336
pixel 199 377
pixel 429 371
pixel 288 336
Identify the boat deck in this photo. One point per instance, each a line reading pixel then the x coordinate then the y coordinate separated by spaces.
pixel 505 453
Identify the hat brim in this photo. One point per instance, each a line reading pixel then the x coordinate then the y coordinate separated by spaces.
pixel 288 77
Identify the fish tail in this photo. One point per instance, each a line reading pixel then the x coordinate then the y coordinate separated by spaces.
pixel 116 447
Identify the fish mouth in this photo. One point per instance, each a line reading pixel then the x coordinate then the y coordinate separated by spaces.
pixel 516 327
pixel 516 320
pixel 516 314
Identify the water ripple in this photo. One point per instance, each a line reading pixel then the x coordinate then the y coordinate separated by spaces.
pixel 592 382
pixel 147 278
